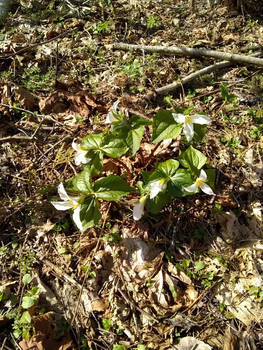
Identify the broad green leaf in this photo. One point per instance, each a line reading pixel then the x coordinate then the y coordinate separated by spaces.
pixel 92 141
pixel 137 121
pixel 199 132
pixel 113 147
pixel 152 177
pixel 192 159
pixel 111 188
pixel 26 279
pixel 211 175
pixel 182 178
pixel 156 204
pixel 81 182
pixel 90 214
pixel 96 161
pixel 25 318
pixel 134 139
pixel 165 127
pixel 28 302
pixel 169 167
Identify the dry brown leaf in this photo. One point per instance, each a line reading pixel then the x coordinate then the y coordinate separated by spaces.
pixel 190 343
pixel 230 340
pixel 46 334
pixel 99 305
pixel 25 98
pixel 191 293
pixel 179 274
pixel 80 103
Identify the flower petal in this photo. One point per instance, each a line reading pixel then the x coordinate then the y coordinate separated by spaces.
pixel 193 188
pixel 138 210
pixel 203 175
pixel 201 119
pixel 62 192
pixel 156 187
pixel 62 205
pixel 207 189
pixel 80 158
pixel 75 145
pixel 115 105
pixel 188 131
pixel 76 218
pixel 109 118
pixel 179 118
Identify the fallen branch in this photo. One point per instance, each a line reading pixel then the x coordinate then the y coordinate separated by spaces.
pixel 207 70
pixel 177 84
pixel 185 51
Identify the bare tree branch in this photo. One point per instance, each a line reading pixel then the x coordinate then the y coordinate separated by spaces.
pixel 186 51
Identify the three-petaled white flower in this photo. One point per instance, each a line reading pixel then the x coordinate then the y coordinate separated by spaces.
pixel 69 203
pixel 200 182
pixel 156 187
pixel 188 121
pixel 138 209
pixel 110 118
pixel 80 157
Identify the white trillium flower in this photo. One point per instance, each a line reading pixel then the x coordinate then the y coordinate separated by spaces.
pixel 110 116
pixel 200 182
pixel 189 121
pixel 80 157
pixel 157 187
pixel 69 202
pixel 138 209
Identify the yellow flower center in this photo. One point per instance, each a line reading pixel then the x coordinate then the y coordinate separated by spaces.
pixel 188 119
pixel 74 206
pixel 199 182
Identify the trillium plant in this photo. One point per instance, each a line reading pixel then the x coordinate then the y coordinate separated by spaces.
pixel 152 190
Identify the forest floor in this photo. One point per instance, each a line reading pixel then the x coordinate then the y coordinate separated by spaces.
pixel 187 278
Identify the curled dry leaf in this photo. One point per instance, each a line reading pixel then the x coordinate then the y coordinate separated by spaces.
pixel 190 343
pixel 79 103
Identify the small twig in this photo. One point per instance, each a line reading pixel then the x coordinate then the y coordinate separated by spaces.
pixel 42 117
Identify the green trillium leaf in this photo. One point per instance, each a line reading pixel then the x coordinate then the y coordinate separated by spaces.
pixel 137 121
pixel 111 188
pixel 113 147
pixel 165 127
pixel 134 139
pixel 92 142
pixel 90 214
pixel 156 204
pixel 96 161
pixel 81 182
pixel 169 167
pixel 192 159
pixel 182 178
pixel 211 176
